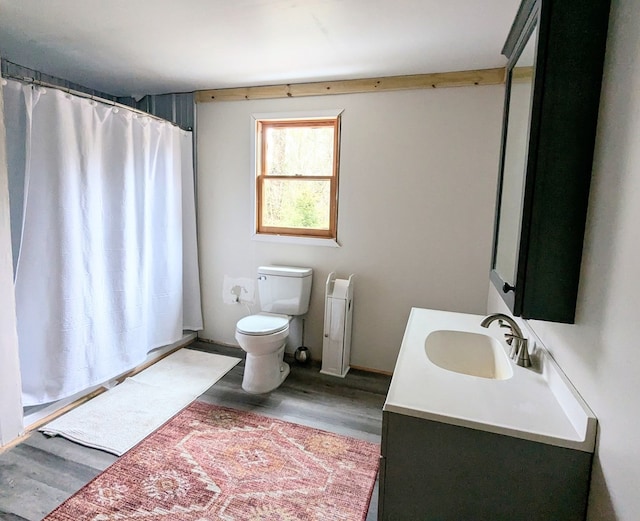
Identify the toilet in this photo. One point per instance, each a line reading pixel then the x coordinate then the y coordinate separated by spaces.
pixel 284 293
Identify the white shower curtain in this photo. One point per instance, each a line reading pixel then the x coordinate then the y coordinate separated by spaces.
pixel 107 265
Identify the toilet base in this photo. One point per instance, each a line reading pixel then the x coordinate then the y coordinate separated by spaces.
pixel 264 373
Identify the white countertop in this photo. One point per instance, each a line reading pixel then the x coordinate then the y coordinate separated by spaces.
pixel 536 404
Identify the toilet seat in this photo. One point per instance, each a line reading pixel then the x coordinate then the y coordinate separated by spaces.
pixel 262 324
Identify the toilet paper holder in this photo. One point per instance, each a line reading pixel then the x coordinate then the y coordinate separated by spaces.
pixel 338 313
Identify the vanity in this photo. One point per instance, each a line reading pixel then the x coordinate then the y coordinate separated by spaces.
pixel 467 434
pixel 463 441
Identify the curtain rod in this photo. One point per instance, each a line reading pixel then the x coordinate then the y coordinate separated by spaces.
pixel 33 81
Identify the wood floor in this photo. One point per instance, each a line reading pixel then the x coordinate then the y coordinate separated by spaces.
pixel 40 473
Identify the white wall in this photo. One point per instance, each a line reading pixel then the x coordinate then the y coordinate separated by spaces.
pixel 418 177
pixel 600 353
pixel 10 392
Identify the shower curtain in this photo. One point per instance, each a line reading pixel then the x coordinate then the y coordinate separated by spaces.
pixel 102 208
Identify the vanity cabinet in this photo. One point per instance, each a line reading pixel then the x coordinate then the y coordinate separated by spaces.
pixel 458 447
pixel 555 52
pixel 432 471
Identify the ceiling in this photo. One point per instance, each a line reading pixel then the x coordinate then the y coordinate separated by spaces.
pixel 135 47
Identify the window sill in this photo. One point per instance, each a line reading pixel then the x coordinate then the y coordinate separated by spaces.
pixel 301 241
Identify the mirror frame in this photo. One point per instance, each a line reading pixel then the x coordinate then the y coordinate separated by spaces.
pixel 523 26
pixel 564 113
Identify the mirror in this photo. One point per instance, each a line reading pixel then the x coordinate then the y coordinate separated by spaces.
pixel 518 116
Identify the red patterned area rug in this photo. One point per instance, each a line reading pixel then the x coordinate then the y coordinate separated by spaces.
pixel 211 463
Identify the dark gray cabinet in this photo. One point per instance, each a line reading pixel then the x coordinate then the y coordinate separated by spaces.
pixel 432 471
pixel 557 47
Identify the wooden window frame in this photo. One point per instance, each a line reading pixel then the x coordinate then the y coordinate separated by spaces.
pixel 261 125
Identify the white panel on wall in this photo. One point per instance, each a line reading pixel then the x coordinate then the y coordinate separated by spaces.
pixel 240 290
pixel 418 173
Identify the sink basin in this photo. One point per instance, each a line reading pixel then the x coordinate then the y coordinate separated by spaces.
pixel 468 353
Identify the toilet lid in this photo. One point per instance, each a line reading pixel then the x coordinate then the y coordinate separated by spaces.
pixel 262 324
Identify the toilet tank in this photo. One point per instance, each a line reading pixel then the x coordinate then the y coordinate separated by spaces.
pixel 284 289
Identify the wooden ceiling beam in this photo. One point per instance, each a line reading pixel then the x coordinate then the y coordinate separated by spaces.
pixel 323 88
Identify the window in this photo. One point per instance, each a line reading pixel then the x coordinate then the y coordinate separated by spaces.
pixel 297 176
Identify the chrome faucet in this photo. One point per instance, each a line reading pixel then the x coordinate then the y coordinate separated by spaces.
pixel 515 338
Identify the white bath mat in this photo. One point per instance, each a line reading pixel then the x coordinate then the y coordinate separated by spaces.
pixel 118 419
